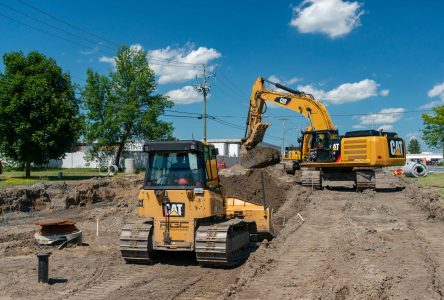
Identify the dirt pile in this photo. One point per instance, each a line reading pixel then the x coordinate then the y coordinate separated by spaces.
pixel 269 186
pixel 426 198
pixel 259 157
pixel 62 195
pixel 263 186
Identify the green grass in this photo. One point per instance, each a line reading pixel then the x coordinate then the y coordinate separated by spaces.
pixel 15 178
pixel 434 180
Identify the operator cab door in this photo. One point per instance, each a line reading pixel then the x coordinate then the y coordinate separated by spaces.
pixel 324 146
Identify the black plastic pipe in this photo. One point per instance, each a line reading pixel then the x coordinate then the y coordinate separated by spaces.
pixel 43 266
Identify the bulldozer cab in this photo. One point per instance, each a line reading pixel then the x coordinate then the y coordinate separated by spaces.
pixel 180 165
pixel 323 145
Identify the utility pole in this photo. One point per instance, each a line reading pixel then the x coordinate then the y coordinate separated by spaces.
pixel 204 89
pixel 283 136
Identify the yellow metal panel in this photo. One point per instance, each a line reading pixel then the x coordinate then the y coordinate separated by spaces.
pixel 181 233
pixel 250 211
pixel 199 206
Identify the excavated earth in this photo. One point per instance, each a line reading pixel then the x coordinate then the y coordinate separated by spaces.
pixel 330 244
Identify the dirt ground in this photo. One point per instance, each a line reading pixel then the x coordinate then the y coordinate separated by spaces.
pixel 331 244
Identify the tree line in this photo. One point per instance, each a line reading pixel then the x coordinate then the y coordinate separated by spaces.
pixel 42 118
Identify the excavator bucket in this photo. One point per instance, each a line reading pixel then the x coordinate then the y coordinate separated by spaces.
pixel 251 212
pixel 256 136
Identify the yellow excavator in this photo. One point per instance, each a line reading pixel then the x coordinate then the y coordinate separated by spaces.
pixel 324 154
pixel 183 207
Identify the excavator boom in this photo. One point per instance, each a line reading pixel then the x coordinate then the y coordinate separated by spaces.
pixel 294 100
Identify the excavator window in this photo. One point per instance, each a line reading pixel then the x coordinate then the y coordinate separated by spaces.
pixel 321 146
pixel 174 169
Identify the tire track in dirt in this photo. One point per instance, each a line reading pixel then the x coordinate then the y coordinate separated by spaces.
pixel 124 279
pixel 351 245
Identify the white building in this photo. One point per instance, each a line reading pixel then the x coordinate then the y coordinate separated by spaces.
pixel 227 147
pixel 231 147
pixel 428 156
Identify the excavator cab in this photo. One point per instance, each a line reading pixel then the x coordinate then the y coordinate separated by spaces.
pixel 323 145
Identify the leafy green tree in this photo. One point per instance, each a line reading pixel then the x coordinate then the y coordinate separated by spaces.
pixel 122 106
pixel 433 132
pixel 39 115
pixel 414 147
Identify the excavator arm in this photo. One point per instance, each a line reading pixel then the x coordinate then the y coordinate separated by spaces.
pixel 291 99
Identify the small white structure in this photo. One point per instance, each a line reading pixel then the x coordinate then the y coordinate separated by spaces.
pixel 231 147
pixel 227 147
pixel 428 156
pixel 77 158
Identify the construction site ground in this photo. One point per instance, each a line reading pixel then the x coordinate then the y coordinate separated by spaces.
pixel 330 244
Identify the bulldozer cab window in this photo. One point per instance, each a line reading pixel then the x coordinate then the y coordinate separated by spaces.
pixel 210 164
pixel 176 169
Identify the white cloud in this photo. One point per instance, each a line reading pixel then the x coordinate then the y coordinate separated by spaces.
pixel 136 47
pixel 332 17
pixel 358 126
pixel 112 59
pixel 385 119
pixel 90 51
pixel 432 104
pixel 345 93
pixel 285 82
pixel 386 127
pixel 179 64
pixel 436 91
pixel 384 92
pixel 185 95
pixel 108 60
pixel 175 64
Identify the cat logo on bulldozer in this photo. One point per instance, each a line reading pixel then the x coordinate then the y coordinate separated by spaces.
pixel 174 209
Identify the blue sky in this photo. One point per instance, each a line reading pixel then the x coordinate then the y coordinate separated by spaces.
pixel 358 57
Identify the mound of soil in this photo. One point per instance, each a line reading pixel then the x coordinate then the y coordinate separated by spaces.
pixel 62 195
pixel 260 157
pixel 268 186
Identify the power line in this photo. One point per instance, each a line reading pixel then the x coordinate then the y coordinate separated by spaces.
pixel 44 31
pixel 52 26
pixel 234 85
pixel 160 61
pixel 71 41
pixel 67 23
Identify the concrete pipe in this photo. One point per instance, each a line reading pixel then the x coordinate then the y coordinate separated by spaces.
pixel 130 166
pixel 414 169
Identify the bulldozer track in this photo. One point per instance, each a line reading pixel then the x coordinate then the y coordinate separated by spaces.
pixel 135 242
pixel 224 244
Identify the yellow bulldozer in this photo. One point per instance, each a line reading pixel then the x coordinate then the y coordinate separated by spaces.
pixel 324 154
pixel 183 207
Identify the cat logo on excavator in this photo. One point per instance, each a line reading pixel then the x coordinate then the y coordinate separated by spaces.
pixel 282 100
pixel 396 147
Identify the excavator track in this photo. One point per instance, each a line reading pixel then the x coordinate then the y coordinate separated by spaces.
pixel 136 242
pixel 365 179
pixel 224 244
pixel 311 178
